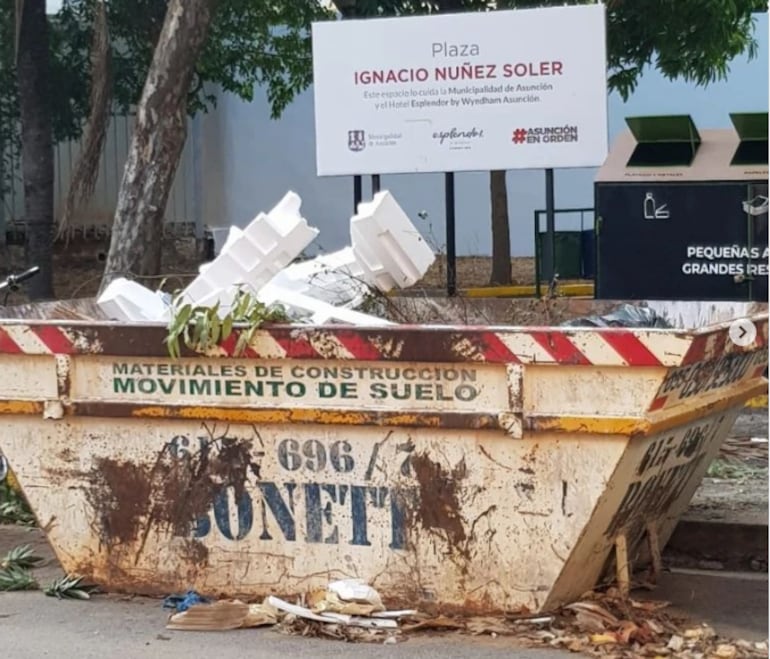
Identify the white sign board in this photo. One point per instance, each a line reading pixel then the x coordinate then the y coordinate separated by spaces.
pixel 521 89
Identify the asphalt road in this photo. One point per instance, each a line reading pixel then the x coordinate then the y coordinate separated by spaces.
pixel 32 626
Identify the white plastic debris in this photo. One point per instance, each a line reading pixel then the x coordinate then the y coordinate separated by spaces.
pixel 314 311
pixel 331 618
pixel 389 249
pixel 386 252
pixel 355 590
pixel 127 300
pixel 252 257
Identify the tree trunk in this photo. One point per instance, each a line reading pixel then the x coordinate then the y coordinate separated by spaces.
pixel 157 142
pixel 501 236
pixel 36 145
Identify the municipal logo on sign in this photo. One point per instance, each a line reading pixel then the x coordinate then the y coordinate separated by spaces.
pixel 356 140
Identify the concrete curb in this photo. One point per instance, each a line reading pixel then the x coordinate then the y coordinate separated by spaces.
pixel 718 545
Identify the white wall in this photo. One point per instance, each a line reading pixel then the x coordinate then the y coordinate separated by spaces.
pixel 251 160
pixel 100 210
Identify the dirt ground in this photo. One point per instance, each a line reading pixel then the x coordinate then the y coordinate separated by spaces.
pixel 78 266
pixel 736 486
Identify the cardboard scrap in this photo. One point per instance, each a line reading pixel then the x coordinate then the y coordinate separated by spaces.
pixel 223 615
pixel 217 616
pixel 322 601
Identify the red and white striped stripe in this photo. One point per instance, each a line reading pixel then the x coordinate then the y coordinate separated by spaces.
pixel 607 347
pixel 37 339
pixel 568 346
pixel 714 343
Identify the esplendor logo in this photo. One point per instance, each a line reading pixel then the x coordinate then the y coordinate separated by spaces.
pixel 458 135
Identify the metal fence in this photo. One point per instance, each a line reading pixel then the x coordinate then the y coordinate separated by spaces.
pixel 183 208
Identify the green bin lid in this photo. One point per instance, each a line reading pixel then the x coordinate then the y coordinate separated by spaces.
pixel 663 141
pixel 752 131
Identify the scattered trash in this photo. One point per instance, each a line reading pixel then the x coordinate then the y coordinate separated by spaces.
pixel 260 615
pixel 745 449
pixel 184 602
pixel 345 603
pixel 601 624
pixel 222 615
pixel 626 315
pixel 439 622
pixel 348 596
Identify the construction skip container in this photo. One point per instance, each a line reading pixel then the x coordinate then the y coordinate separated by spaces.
pixel 481 469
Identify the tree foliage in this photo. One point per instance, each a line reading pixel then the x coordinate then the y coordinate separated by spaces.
pixel 252 43
pixel 692 40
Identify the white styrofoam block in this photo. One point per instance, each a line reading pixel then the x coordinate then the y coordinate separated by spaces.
pixel 198 289
pixel 262 232
pixel 283 214
pixel 387 244
pixel 253 256
pixel 232 236
pixel 315 311
pixel 223 236
pixel 128 300
pixel 247 252
pixel 335 278
pixel 224 271
pixel 225 297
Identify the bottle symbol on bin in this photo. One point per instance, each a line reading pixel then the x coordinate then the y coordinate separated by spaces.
pixel 652 211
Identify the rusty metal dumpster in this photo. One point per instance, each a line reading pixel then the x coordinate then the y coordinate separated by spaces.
pixel 485 469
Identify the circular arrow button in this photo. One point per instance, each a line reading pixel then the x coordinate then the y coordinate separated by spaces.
pixel 743 332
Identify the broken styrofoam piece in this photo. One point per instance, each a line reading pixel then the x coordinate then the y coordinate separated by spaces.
pixel 388 247
pixel 331 618
pixel 223 236
pixel 253 256
pixel 356 590
pixel 387 252
pixel 126 300
pixel 403 613
pixel 334 278
pixel 304 308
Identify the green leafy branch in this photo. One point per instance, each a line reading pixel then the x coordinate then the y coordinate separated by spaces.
pixel 203 328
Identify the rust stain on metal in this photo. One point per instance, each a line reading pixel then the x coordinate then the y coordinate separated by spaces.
pixel 438 507
pixel 63 375
pixel 131 499
pixel 67 455
pixel 417 346
pixel 459 420
pixel 515 388
pixel 120 495
pixel 21 407
pixel 325 344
